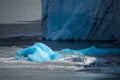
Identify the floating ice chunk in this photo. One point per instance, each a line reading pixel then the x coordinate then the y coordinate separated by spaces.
pixel 42 53
pixel 37 52
pixel 93 51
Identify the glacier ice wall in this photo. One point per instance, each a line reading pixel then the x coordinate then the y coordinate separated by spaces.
pixel 81 19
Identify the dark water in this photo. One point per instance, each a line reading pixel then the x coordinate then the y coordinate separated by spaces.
pixel 36 74
pixel 58 45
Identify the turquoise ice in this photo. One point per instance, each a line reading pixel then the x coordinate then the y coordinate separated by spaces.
pixel 39 52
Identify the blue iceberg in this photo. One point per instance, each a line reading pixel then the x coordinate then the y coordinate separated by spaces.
pixel 93 51
pixel 39 52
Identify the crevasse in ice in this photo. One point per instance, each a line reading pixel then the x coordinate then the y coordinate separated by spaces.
pixel 81 19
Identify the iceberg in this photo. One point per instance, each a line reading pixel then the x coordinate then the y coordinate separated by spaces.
pixel 39 52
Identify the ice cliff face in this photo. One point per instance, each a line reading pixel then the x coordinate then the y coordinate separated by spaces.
pixel 81 19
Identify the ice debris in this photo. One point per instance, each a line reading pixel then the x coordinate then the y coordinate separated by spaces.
pixel 42 53
pixel 37 52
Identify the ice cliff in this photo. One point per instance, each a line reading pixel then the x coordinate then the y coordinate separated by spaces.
pixel 81 19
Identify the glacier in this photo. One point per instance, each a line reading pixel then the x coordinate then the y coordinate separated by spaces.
pixel 81 19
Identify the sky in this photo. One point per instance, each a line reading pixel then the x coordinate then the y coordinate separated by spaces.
pixel 13 11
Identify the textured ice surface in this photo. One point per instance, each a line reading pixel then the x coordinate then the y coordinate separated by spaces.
pixel 41 52
pixel 37 52
pixel 81 19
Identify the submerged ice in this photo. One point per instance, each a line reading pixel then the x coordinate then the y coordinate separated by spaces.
pixel 39 52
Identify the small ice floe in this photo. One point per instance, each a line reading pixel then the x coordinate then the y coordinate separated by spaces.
pixel 14 46
pixel 39 52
